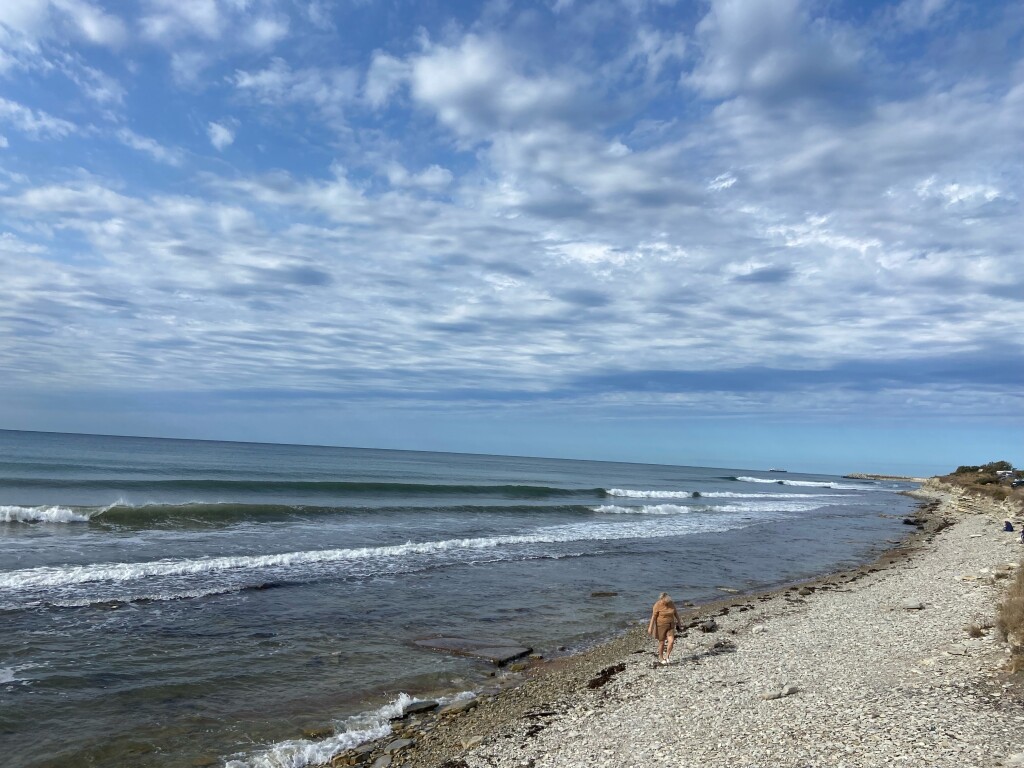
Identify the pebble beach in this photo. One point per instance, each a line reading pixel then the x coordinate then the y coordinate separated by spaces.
pixel 895 663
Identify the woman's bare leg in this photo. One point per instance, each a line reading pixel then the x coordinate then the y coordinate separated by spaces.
pixel 670 644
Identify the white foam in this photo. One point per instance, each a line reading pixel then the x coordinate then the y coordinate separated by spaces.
pixel 633 494
pixel 805 483
pixel 646 509
pixel 66 575
pixel 352 732
pixel 54 514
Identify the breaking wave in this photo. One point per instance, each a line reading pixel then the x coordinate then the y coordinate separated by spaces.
pixel 52 514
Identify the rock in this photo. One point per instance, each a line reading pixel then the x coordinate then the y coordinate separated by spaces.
pixel 912 605
pixel 457 707
pixel 1015 760
pixel 757 629
pixel 420 706
pixel 709 626
pixel 495 650
pixel 397 745
pixel 957 650
pixel 472 741
pixel 805 591
pixel 316 734
pixel 382 762
pixel 772 695
pixel 789 690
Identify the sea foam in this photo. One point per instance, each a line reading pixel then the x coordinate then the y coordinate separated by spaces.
pixel 54 514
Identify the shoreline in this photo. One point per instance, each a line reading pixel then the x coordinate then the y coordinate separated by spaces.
pixel 602 679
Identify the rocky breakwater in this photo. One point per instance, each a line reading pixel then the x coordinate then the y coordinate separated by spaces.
pixel 895 663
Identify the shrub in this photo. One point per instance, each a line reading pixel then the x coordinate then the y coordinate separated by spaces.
pixel 1010 619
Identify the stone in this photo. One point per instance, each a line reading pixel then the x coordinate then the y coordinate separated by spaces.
pixel 912 605
pixel 472 741
pixel 789 690
pixel 315 734
pixel 457 707
pixel 420 706
pixel 382 762
pixel 758 629
pixel 709 626
pixel 771 696
pixel 398 744
pixel 805 591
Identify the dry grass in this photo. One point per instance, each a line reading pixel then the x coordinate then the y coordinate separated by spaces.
pixel 1010 620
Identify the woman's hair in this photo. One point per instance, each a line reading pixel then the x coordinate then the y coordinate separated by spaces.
pixel 663 596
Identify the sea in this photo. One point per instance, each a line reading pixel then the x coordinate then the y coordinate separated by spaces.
pixel 179 603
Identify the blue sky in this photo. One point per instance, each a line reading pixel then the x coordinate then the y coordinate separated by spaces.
pixel 738 232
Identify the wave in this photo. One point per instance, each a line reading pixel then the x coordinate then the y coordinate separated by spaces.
pixel 626 493
pixel 340 488
pixel 646 509
pixel 68 575
pixel 51 514
pixel 753 507
pixel 351 732
pixel 803 483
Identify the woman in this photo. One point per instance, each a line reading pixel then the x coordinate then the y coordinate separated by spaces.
pixel 662 626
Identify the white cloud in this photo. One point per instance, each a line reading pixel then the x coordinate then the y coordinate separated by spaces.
pixel 476 88
pixel 46 18
pixel 385 76
pixel 36 123
pixel 168 20
pixel 221 136
pixel 265 32
pixel 769 50
pixel 279 84
pixel 151 147
pixel 433 178
pixel 3 142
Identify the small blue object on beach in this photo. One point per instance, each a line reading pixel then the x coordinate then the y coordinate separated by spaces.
pixel 1007 525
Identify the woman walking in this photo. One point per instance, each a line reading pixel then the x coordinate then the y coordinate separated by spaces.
pixel 662 626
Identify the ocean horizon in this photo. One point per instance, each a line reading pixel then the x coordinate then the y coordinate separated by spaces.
pixel 169 601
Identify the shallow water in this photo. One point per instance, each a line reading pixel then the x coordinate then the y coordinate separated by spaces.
pixel 169 601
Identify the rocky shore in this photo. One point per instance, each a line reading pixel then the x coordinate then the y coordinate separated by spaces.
pixel 894 663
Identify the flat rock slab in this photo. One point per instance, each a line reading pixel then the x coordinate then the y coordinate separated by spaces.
pixel 497 651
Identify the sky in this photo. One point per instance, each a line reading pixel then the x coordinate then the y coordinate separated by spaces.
pixel 742 233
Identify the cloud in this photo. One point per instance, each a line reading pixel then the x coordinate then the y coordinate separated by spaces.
pixel 35 123
pixel 265 32
pixel 151 147
pixel 476 87
pixel 221 135
pixel 278 84
pixel 772 50
pixel 48 18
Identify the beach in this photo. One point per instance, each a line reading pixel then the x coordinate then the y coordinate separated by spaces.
pixel 869 667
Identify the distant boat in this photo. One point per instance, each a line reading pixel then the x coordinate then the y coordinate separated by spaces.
pixel 778 470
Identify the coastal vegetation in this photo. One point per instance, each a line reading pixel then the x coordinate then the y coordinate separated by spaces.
pixel 994 480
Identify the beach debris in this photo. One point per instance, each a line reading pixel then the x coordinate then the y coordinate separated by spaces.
pixel 912 605
pixel 498 651
pixel 730 590
pixel 605 675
